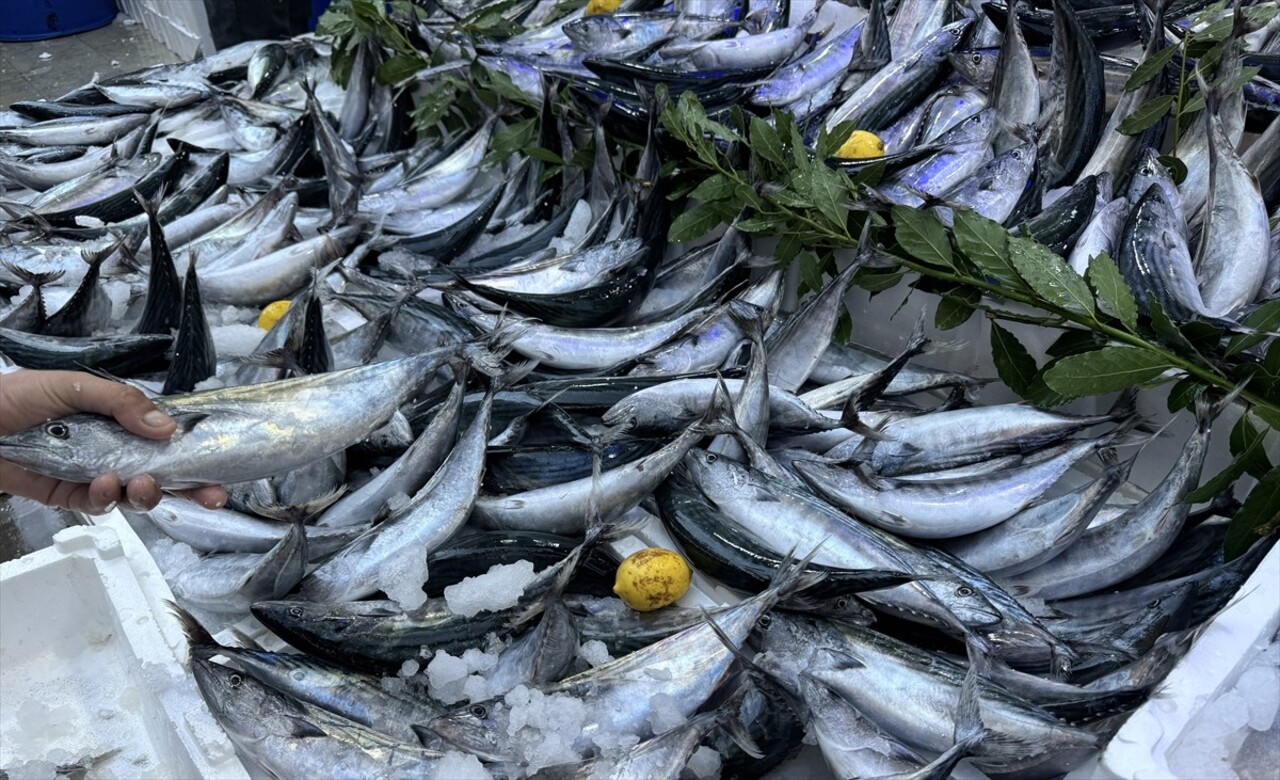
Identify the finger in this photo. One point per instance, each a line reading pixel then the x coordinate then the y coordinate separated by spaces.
pixel 94 498
pixel 209 497
pixel 143 493
pixel 76 392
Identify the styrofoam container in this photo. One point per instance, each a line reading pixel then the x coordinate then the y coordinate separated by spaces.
pixel 1143 746
pixel 92 666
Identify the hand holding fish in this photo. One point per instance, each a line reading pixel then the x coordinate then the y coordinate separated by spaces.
pixel 31 397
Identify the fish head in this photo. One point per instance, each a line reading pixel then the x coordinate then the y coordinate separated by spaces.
pixel 240 704
pixel 718 477
pixel 977 66
pixel 77 448
pixel 966 603
pixel 480 728
pixel 622 413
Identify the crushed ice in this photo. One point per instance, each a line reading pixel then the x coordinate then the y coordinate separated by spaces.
pixel 499 588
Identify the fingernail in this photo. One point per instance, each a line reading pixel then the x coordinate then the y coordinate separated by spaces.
pixel 110 507
pixel 155 419
pixel 215 503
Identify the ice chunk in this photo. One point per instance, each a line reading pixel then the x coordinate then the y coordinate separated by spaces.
pixel 478 660
pixel 459 766
pixel 499 588
pixel 704 764
pixel 409 668
pixel 172 557
pixel 397 502
pixel 235 340
pixel 402 577
pixel 446 678
pixel 579 223
pixel 119 293
pixel 664 713
pixel 476 688
pixel 594 652
pixel 1262 684
pixel 544 727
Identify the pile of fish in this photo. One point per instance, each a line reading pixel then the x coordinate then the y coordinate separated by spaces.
pixel 495 374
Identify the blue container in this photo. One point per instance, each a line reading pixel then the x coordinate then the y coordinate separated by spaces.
pixel 318 7
pixel 36 20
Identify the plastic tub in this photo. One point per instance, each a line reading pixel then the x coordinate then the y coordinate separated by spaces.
pixel 36 20
pixel 91 667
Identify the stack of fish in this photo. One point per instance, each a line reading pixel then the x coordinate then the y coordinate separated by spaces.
pixel 492 362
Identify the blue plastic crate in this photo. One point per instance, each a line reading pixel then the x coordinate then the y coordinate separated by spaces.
pixel 36 20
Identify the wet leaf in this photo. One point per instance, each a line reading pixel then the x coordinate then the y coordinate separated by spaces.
pixel 1259 517
pixel 1106 370
pixel 1014 365
pixel 1113 293
pixel 1049 276
pixel 921 234
pixel 1146 115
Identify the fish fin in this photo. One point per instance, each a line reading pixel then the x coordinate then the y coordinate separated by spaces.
pixel 849 419
pixel 843 659
pixel 300 513
pixel 199 640
pixel 426 736
pixel 186 421
pixel 246 641
pixel 302 728
pixel 33 278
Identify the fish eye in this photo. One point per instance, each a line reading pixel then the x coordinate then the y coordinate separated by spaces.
pixel 234 680
pixel 842 603
pixel 766 620
pixel 479 711
pixel 1154 605
pixel 964 591
pixel 295 612
pixel 58 430
pixel 977 59
pixel 712 457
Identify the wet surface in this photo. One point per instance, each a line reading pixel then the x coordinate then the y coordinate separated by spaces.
pixel 120 47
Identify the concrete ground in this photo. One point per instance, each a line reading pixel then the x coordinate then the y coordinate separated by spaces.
pixel 32 70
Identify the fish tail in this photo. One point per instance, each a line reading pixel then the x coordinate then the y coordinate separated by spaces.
pixel 33 278
pixel 1207 411
pixel 199 640
pixel 728 716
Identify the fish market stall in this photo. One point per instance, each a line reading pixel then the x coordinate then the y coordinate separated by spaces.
pixel 629 389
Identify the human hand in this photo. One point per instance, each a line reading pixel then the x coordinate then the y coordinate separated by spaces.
pixel 29 398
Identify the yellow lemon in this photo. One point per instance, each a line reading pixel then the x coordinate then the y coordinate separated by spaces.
pixel 271 314
pixel 861 145
pixel 652 578
pixel 601 7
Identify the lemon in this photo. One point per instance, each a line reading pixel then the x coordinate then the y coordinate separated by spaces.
pixel 601 7
pixel 271 314
pixel 861 145
pixel 652 578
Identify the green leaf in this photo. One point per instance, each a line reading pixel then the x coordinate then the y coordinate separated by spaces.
pixel 1184 393
pixel 513 138
pixel 810 270
pixel 877 280
pixel 1259 517
pixel 1250 456
pixel 921 234
pixel 716 187
pixel 1149 68
pixel 760 224
pixel 826 187
pixel 986 244
pixel 956 307
pixel 545 155
pixel 400 67
pixel 789 245
pixel 1112 291
pixel 1266 317
pixel 1268 416
pixel 1040 394
pixel 1106 370
pixel 1246 439
pixel 1014 365
pixel 694 223
pixel 765 141
pixel 1168 334
pixel 1050 277
pixel 1073 341
pixel 1146 115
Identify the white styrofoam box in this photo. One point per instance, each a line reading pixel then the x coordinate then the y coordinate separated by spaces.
pixel 1143 745
pixel 92 666
pixel 181 25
